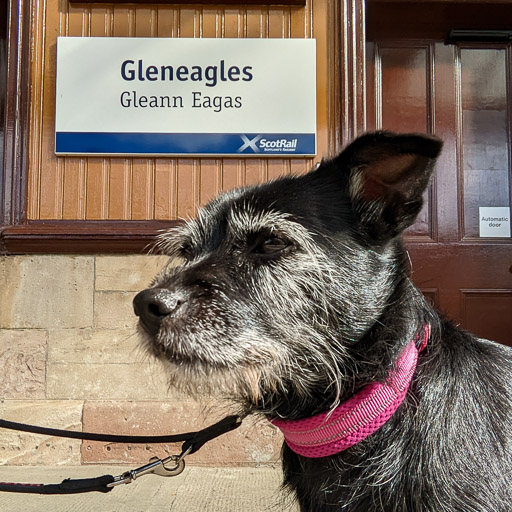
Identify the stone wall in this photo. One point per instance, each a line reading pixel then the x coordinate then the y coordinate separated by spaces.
pixel 69 358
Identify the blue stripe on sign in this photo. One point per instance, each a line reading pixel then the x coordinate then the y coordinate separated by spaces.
pixel 186 143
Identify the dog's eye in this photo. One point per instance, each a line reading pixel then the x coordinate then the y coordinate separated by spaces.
pixel 271 245
pixel 186 251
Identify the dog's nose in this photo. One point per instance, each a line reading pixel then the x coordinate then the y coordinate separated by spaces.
pixel 153 305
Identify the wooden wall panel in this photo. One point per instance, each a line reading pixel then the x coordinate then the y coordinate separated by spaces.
pixel 486 313
pixel 117 188
pixel 404 95
pixel 165 189
pixel 400 97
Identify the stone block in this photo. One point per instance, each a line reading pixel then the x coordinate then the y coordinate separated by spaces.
pixel 255 443
pixel 46 291
pixel 20 448
pixel 22 363
pixel 127 273
pixel 227 490
pixel 114 310
pixel 78 381
pixel 94 346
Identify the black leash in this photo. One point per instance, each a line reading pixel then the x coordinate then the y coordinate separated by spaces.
pixel 169 466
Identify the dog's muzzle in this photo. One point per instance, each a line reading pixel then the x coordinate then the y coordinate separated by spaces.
pixel 153 305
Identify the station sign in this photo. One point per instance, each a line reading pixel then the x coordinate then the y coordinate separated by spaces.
pixel 159 96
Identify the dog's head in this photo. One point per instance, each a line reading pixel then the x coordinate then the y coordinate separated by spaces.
pixel 281 281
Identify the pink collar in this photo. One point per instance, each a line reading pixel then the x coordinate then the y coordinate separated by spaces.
pixel 360 416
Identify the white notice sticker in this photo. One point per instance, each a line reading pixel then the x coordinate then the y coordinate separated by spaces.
pixel 494 222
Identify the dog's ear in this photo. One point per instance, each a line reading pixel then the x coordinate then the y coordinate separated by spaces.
pixel 387 175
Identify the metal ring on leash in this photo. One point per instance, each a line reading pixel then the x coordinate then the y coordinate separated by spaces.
pixel 156 466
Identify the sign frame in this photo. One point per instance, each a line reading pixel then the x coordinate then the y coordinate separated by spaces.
pixel 241 86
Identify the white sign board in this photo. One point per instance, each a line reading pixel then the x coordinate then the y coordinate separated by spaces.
pixel 155 96
pixel 494 222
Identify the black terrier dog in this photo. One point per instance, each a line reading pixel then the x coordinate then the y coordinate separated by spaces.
pixel 294 300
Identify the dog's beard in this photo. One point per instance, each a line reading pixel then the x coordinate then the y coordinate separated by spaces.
pixel 197 366
pixel 242 385
pixel 255 371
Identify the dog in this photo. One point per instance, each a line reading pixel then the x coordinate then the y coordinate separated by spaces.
pixel 294 300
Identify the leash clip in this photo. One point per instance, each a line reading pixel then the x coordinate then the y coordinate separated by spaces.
pixel 156 466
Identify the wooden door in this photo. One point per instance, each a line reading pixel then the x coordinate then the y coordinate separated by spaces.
pixel 463 94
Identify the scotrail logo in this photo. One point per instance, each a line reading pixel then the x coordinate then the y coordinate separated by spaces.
pixel 265 144
pixel 249 143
